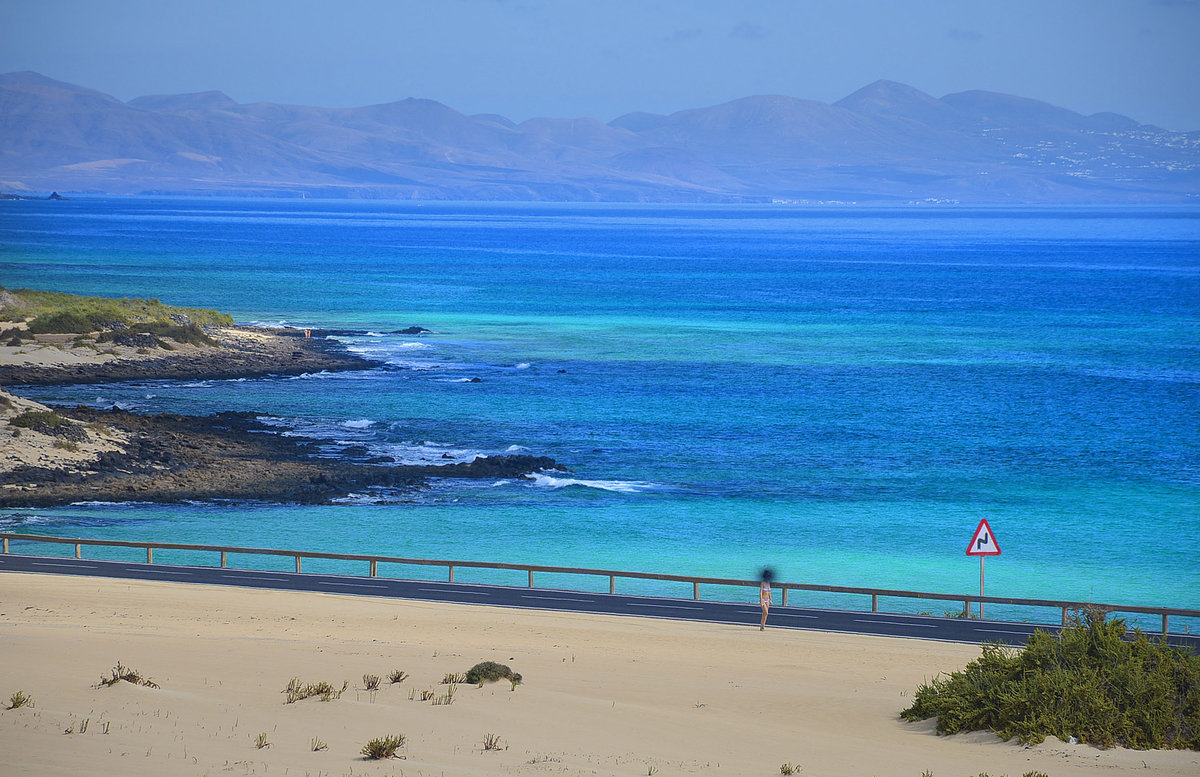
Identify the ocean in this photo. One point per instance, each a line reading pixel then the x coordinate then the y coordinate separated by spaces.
pixel 839 393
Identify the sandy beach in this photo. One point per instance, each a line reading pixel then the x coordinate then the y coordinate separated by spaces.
pixel 601 696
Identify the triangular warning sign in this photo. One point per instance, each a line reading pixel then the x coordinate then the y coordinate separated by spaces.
pixel 984 542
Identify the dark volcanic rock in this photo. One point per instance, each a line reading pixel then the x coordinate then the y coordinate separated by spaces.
pixel 174 458
pixel 281 352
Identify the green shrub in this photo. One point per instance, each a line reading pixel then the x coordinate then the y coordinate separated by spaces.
pixel 51 423
pixel 102 312
pixel 62 323
pixel 1087 682
pixel 384 747
pixel 490 671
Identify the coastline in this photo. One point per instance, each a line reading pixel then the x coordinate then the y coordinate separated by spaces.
pixel 602 695
pixel 116 456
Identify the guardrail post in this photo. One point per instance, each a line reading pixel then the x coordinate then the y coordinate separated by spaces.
pixel 451 567
pixel 1064 616
pixel 612 583
pixel 531 578
pixel 78 551
pixel 874 602
pixel 297 564
pixel 374 568
pixel 1165 619
pixel 967 608
pixel 223 560
pixel 696 591
pixel 149 555
pixel 6 544
pixel 785 597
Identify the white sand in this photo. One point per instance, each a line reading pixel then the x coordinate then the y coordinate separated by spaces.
pixel 35 449
pixel 603 695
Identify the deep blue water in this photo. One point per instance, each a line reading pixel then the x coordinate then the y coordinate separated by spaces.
pixel 839 393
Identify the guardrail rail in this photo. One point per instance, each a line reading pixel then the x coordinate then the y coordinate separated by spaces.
pixel 373 562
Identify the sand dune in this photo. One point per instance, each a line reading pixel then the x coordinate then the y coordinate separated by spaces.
pixel 602 695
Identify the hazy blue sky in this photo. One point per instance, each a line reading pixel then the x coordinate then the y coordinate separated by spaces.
pixel 603 58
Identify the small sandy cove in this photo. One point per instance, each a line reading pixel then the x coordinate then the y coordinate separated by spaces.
pixel 602 695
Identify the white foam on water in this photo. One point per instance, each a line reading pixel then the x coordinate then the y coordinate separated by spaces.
pixel 618 486
pixel 523 366
pixel 361 423
pixel 515 449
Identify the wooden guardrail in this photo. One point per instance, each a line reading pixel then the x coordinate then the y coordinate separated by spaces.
pixel 612 575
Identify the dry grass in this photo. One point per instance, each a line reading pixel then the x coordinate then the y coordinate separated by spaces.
pixel 121 672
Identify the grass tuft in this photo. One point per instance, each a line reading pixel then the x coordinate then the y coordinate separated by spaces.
pixel 493 742
pixel 20 699
pixel 318 745
pixel 298 691
pixel 121 672
pixel 383 747
pixel 261 742
pixel 1087 682
pixel 371 682
pixel 397 676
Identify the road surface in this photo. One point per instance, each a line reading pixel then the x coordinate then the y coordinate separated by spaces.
pixel 842 621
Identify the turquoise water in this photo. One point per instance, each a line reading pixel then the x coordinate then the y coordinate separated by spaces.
pixel 841 394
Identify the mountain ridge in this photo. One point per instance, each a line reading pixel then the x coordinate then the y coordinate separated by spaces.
pixel 885 143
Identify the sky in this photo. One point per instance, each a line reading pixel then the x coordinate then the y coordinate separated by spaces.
pixel 604 58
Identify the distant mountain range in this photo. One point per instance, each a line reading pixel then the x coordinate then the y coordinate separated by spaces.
pixel 887 142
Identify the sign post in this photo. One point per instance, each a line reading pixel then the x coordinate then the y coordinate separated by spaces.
pixel 983 544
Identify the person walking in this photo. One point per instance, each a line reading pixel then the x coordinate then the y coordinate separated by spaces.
pixel 764 596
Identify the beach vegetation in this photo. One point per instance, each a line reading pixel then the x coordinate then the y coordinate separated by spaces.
pixel 261 742
pixel 120 672
pixel 67 445
pixel 787 768
pixel 1089 682
pixel 493 742
pixel 490 671
pixel 20 699
pixel 50 423
pixel 384 747
pixel 52 312
pixel 453 678
pixel 38 420
pixel 298 691
pixel 396 676
pixel 371 682
pixel 318 745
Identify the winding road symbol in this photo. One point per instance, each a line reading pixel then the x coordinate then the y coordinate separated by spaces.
pixel 984 542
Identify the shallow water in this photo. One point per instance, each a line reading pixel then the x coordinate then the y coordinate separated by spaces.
pixel 841 394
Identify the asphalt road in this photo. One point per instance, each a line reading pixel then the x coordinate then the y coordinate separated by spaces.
pixel 841 621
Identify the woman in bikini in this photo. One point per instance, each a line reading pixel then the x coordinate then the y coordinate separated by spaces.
pixel 764 596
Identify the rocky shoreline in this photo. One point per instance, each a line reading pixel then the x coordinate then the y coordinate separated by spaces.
pixel 243 352
pixel 171 458
pixel 62 456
